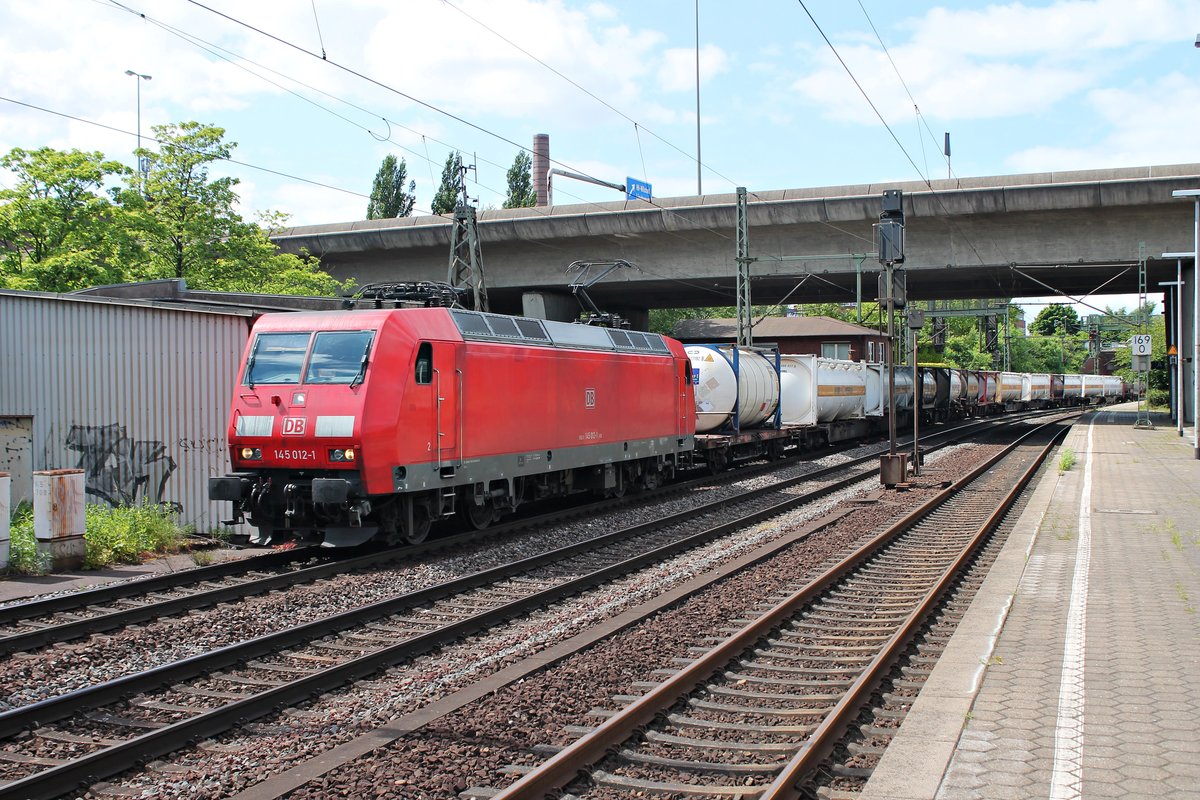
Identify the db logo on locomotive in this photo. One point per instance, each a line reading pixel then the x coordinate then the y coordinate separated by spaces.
pixel 294 426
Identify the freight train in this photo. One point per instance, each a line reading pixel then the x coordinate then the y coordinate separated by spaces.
pixel 353 425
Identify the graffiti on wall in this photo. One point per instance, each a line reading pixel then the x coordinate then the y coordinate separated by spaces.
pixel 118 469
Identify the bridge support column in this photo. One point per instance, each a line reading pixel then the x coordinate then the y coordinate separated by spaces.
pixel 550 305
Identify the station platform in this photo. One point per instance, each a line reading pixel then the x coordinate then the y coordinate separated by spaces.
pixel 1076 672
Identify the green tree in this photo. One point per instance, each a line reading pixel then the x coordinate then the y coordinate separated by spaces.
pixel 57 230
pixel 446 198
pixel 1055 318
pixel 188 217
pixel 521 192
pixel 192 230
pixel 388 195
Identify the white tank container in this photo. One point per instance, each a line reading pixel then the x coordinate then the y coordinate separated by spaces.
pixel 958 387
pixel 1035 386
pixel 1072 387
pixel 876 401
pixel 988 386
pixel 1111 385
pixel 1093 386
pixel 719 391
pixel 904 388
pixel 1011 386
pixel 838 390
pixel 874 404
pixel 971 378
pixel 928 389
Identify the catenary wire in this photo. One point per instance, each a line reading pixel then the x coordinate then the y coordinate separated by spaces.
pixel 159 141
pixel 891 132
pixel 423 103
pixel 587 91
pixel 920 117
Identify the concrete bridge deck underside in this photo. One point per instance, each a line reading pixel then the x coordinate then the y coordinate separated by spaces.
pixel 1005 236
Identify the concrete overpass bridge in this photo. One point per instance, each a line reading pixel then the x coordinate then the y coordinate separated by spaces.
pixel 988 237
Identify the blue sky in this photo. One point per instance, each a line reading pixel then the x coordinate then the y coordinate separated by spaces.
pixel 1021 87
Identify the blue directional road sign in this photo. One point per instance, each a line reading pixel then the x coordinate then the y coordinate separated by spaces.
pixel 637 190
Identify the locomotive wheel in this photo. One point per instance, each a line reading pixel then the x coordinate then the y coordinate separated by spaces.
pixel 651 479
pixel 420 527
pixel 477 516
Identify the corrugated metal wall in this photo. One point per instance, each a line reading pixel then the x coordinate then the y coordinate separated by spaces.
pixel 136 395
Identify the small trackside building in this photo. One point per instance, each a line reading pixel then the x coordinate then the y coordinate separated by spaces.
pixel 131 384
pixel 814 336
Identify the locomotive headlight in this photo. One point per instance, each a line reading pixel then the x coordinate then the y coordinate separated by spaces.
pixel 342 455
pixel 251 454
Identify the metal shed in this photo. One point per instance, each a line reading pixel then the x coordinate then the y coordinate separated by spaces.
pixel 134 392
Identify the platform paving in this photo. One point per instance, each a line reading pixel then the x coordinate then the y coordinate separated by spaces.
pixel 1076 672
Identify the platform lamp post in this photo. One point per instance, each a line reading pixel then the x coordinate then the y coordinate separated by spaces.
pixel 1194 196
pixel 140 77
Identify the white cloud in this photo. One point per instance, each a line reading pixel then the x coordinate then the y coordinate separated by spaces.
pixel 998 61
pixel 1147 124
pixel 1057 29
pixel 449 60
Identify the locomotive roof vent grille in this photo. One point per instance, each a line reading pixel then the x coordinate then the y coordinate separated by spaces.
pixel 635 340
pixel 472 324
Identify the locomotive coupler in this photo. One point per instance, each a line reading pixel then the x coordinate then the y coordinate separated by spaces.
pixel 291 493
pixel 357 511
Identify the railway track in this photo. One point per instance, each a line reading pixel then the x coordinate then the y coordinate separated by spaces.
pixel 42 622
pixel 124 721
pixel 759 712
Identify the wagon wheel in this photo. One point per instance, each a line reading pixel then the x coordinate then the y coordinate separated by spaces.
pixel 775 449
pixel 420 525
pixel 716 461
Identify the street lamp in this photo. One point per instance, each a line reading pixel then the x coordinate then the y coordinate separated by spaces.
pixel 1194 196
pixel 133 74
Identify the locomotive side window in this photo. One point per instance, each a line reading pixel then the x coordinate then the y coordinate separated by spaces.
pixel 276 358
pixel 339 357
pixel 424 371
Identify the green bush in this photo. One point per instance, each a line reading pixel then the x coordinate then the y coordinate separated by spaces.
pixel 22 553
pixel 1066 460
pixel 120 535
pixel 1158 398
pixel 126 534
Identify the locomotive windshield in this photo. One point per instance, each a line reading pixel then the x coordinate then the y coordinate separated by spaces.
pixel 336 357
pixel 276 358
pixel 339 357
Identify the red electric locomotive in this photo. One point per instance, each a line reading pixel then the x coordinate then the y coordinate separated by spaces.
pixel 347 425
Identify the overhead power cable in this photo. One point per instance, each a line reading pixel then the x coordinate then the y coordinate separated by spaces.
pixel 920 117
pixel 636 125
pixel 400 93
pixel 892 133
pixel 177 144
pixel 375 82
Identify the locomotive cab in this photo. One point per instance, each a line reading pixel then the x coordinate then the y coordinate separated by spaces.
pixel 293 440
